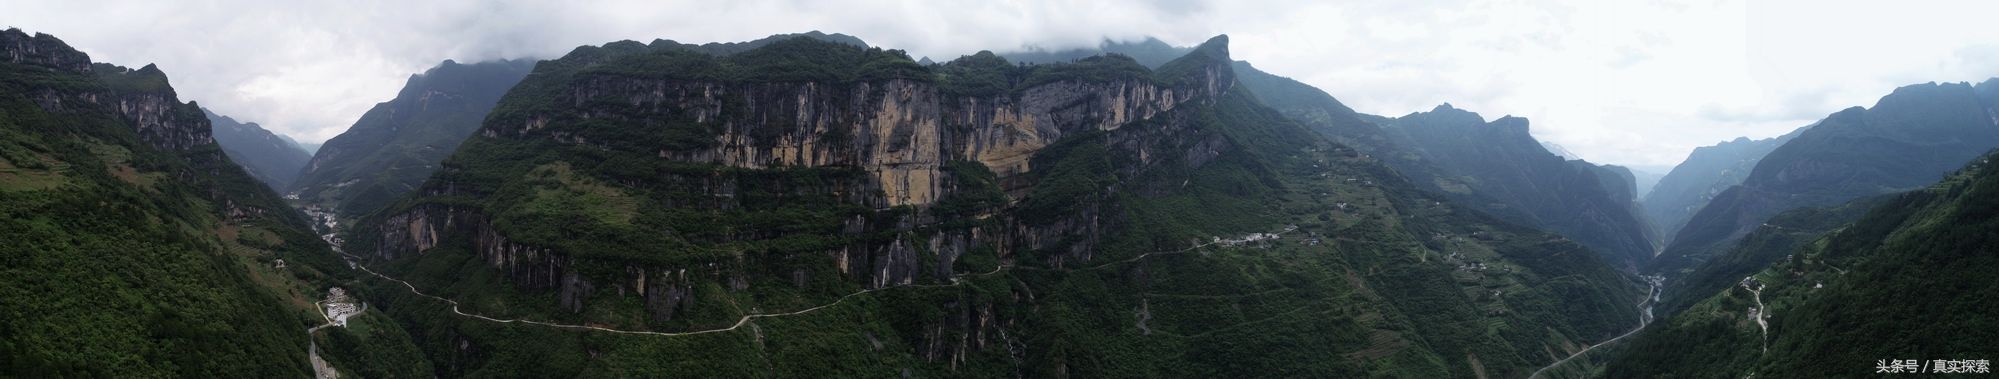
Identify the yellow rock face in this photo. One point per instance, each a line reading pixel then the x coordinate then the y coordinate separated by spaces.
pixel 900 131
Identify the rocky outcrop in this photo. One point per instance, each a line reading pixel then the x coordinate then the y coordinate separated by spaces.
pixel 665 290
pixel 142 97
pixel 900 131
pixel 42 50
pixel 424 228
pixel 883 146
pixel 163 120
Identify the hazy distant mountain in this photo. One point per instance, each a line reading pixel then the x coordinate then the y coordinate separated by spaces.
pixel 398 143
pixel 1495 167
pixel 1647 178
pixel 1706 173
pixel 1150 52
pixel 1499 165
pixel 308 147
pixel 727 48
pixel 272 158
pixel 1910 138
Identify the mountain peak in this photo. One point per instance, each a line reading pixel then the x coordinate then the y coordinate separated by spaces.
pixel 1213 52
pixel 1511 124
pixel 1216 47
pixel 41 50
pixel 729 48
pixel 1988 89
pixel 1209 64
pixel 1922 93
pixel 1451 114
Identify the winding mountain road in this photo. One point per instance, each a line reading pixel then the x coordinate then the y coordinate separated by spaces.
pixel 1643 320
pixel 745 319
pixel 1761 312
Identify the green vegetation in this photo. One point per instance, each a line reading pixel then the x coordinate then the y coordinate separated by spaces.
pixel 974 188
pixel 1770 243
pixel 123 260
pixel 399 143
pixel 1910 138
pixel 372 346
pixel 1084 265
pixel 1909 278
pixel 786 60
pixel 1507 173
pixel 1706 172
pixel 1495 166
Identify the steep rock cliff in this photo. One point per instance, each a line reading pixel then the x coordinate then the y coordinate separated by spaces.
pixel 897 135
pixel 976 217
pixel 42 50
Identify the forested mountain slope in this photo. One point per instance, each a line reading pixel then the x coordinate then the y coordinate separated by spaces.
pixel 1518 182
pixel 1912 279
pixel 133 246
pixel 1705 173
pixel 1911 137
pixel 1499 167
pixel 819 208
pixel 397 144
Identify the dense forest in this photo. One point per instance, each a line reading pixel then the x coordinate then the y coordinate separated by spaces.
pixel 132 240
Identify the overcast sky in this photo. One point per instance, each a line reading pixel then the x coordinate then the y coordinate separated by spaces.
pixel 1636 83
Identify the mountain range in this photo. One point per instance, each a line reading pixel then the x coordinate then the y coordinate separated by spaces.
pixel 875 216
pixel 1446 151
pixel 1910 137
pixel 270 157
pixel 398 143
pixel 1909 274
pixel 1707 172
pixel 812 205
pixel 1498 166
pixel 1827 241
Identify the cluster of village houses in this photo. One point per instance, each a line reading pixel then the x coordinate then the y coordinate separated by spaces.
pixel 339 306
pixel 1257 237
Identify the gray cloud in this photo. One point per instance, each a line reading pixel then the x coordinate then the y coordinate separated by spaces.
pixel 1635 83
